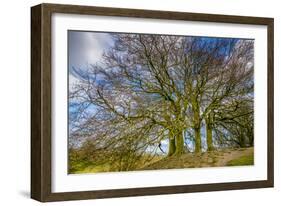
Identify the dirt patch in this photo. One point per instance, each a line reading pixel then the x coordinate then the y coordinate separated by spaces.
pixel 206 159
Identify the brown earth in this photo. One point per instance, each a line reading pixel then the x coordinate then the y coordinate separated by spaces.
pixel 206 159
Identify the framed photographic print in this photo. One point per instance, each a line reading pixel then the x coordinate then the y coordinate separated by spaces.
pixel 132 102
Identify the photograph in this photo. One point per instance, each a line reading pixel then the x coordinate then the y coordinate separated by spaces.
pixel 139 102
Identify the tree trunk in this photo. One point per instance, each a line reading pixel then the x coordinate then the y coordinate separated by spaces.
pixel 172 146
pixel 197 140
pixel 179 143
pixel 242 142
pixel 251 137
pixel 197 125
pixel 209 131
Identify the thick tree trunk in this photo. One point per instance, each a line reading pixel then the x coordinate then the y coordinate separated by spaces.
pixel 197 140
pixel 251 140
pixel 197 125
pixel 179 144
pixel 172 146
pixel 250 136
pixel 242 141
pixel 209 132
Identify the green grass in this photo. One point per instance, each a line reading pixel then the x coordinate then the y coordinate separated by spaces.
pixel 80 165
pixel 87 167
pixel 244 160
pixel 93 169
pixel 83 166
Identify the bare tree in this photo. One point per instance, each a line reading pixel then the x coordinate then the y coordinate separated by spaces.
pixel 150 88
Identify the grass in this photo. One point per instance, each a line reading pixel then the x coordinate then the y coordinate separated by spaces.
pixel 230 157
pixel 244 160
pixel 82 166
pixel 93 169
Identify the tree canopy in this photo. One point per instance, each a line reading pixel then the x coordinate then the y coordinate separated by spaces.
pixel 153 88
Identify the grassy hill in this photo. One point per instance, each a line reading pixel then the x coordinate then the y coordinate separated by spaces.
pixel 228 157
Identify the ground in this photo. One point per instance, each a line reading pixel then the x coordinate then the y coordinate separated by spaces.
pixel 229 157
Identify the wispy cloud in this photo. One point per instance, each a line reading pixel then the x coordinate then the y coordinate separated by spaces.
pixel 85 48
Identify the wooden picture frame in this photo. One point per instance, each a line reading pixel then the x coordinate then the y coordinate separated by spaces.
pixel 41 96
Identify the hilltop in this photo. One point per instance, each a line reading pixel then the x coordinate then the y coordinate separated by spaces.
pixel 227 157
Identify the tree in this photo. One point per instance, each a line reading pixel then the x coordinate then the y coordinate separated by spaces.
pixel 232 90
pixel 149 88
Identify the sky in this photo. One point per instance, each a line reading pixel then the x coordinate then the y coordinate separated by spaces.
pixel 85 48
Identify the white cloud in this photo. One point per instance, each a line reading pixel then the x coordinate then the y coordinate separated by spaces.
pixel 86 47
